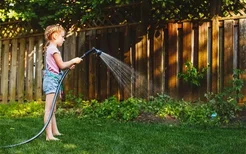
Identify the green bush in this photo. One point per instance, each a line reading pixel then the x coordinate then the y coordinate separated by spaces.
pixel 130 109
pixel 15 109
pixel 112 109
pixel 225 103
pixel 192 74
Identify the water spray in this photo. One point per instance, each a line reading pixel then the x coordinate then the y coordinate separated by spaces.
pixel 93 50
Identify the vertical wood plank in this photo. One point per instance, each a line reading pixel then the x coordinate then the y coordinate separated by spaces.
pixel 242 53
pixel 179 57
pixel 209 71
pixel 5 72
pixel 215 48
pixel 150 62
pixel 195 56
pixel 221 57
pixel 127 56
pixel 39 69
pixel 114 52
pixel 203 60
pixel 166 59
pixel 82 71
pixel 141 85
pixel 30 58
pixel 228 51
pixel 13 69
pixel 121 51
pixel 186 55
pixel 21 71
pixel 97 66
pixel 1 67
pixel 69 52
pixel 172 59
pixel 157 59
pixel 235 44
pixel 104 71
pixel 92 66
pixel 132 53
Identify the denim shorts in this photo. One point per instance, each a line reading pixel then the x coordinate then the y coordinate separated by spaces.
pixel 51 82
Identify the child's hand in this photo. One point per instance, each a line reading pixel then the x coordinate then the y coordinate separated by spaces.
pixel 77 60
pixel 72 67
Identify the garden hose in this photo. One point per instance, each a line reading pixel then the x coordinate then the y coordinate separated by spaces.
pixel 98 52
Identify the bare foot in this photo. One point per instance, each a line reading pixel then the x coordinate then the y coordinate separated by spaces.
pixel 52 139
pixel 57 134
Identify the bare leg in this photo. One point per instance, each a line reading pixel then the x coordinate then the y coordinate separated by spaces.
pixel 55 130
pixel 48 106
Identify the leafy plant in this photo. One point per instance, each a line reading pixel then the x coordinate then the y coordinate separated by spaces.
pixel 130 109
pixel 113 109
pixel 192 75
pixel 225 103
pixel 156 103
pixel 15 109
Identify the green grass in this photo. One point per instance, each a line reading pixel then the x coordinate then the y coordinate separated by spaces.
pixel 84 136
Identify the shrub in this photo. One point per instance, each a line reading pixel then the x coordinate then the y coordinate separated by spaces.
pixel 15 109
pixel 225 103
pixel 192 75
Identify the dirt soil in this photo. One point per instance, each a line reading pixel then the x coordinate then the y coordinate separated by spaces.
pixel 151 118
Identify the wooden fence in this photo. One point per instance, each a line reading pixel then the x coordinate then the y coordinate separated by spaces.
pixel 158 53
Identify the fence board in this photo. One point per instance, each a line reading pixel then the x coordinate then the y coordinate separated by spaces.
pixel 157 59
pixel 1 57
pixel 236 47
pixel 30 63
pixel 242 52
pixel 92 66
pixel 215 37
pixel 13 69
pixel 97 66
pixel 141 85
pixel 179 57
pixel 172 59
pixel 82 75
pixel 166 60
pixel 203 54
pixel 209 71
pixel 228 52
pixel 121 52
pixel 221 59
pixel 21 71
pixel 104 71
pixel 5 72
pixel 113 36
pixel 186 56
pixel 126 53
pixel 69 52
pixel 195 56
pixel 39 69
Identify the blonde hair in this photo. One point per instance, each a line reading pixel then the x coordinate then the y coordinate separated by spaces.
pixel 49 31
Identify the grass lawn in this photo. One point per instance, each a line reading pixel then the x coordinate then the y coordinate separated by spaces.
pixel 83 136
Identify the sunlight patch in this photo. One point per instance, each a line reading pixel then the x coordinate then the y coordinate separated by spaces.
pixel 70 146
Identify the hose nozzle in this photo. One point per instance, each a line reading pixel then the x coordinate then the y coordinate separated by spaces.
pixel 97 51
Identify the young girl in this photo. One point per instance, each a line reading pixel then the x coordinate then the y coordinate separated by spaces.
pixel 54 35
